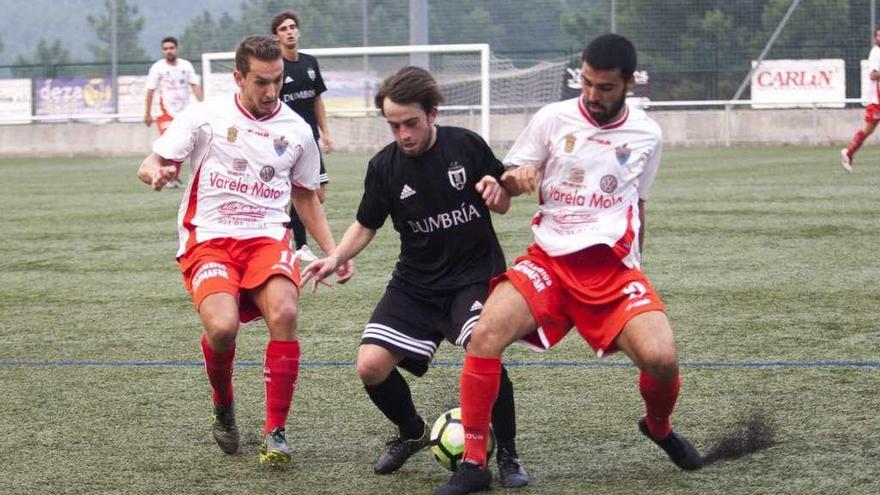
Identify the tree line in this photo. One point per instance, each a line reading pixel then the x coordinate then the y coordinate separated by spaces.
pixel 697 49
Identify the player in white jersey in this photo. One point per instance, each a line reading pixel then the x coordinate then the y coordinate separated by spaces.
pixel 174 78
pixel 592 160
pixel 872 112
pixel 249 153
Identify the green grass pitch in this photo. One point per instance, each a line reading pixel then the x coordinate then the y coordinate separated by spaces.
pixel 764 255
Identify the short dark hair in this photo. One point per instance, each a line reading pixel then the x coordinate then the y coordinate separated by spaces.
pixel 410 85
pixel 261 47
pixel 280 17
pixel 611 51
pixel 169 39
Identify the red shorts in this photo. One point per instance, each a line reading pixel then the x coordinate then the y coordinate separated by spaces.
pixel 590 289
pixel 162 122
pixel 233 265
pixel 872 113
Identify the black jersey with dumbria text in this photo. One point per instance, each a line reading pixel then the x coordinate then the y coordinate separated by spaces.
pixel 446 235
pixel 301 84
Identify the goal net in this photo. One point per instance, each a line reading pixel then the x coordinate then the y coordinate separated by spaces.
pixel 477 87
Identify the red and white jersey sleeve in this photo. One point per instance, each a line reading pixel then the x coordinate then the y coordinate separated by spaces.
pixel 173 83
pixel 243 169
pixel 874 64
pixel 592 177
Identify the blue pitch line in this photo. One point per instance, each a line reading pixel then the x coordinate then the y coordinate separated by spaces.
pixel 512 364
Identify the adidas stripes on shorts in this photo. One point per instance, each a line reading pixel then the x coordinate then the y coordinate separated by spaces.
pixel 411 323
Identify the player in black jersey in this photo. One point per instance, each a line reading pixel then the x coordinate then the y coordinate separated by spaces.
pixel 301 90
pixel 438 184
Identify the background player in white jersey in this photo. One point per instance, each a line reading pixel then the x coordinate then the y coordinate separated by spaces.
pixel 174 78
pixel 249 154
pixel 593 160
pixel 301 91
pixel 438 184
pixel 872 112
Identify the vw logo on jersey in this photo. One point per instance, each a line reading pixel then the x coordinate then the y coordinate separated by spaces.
pixel 311 73
pixel 267 173
pixel 280 145
pixel 608 184
pixel 457 175
pixel 622 153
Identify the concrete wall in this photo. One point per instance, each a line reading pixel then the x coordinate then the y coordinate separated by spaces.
pixel 682 128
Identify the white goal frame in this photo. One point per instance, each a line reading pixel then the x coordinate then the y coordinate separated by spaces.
pixel 480 48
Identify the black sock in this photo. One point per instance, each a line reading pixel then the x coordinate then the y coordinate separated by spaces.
pixel 504 415
pixel 393 398
pixel 299 230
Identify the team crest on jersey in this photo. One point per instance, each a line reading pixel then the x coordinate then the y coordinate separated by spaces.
pixel 576 175
pixel 457 175
pixel 608 184
pixel 267 173
pixel 311 73
pixel 280 145
pixel 570 140
pixel 622 153
pixel 231 134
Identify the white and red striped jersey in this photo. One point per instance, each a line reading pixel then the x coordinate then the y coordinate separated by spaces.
pixel 874 64
pixel 243 169
pixel 592 177
pixel 173 82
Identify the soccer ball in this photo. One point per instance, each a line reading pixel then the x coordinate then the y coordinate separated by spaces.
pixel 447 439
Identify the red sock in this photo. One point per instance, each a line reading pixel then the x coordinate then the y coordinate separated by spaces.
pixel 480 380
pixel 218 366
pixel 280 370
pixel 659 400
pixel 856 143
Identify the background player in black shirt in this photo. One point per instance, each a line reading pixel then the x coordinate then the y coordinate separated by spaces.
pixel 438 184
pixel 301 91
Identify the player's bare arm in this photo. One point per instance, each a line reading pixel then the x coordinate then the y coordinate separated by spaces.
pixel 521 180
pixel 494 195
pixel 321 117
pixel 148 117
pixel 311 212
pixel 156 171
pixel 355 239
pixel 197 92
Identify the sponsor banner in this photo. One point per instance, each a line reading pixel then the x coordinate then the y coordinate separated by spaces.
pixel 15 101
pixel 73 96
pixel 799 83
pixel 133 96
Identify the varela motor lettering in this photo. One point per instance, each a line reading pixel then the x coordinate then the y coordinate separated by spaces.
pixel 445 220
pixel 596 200
pixel 602 201
pixel 237 185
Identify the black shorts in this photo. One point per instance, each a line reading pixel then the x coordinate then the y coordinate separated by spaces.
pixel 413 324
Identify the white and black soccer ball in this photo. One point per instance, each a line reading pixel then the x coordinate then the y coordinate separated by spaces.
pixel 447 439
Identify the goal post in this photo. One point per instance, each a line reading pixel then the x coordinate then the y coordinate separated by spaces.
pixel 458 65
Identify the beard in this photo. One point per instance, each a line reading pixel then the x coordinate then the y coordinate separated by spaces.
pixel 607 113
